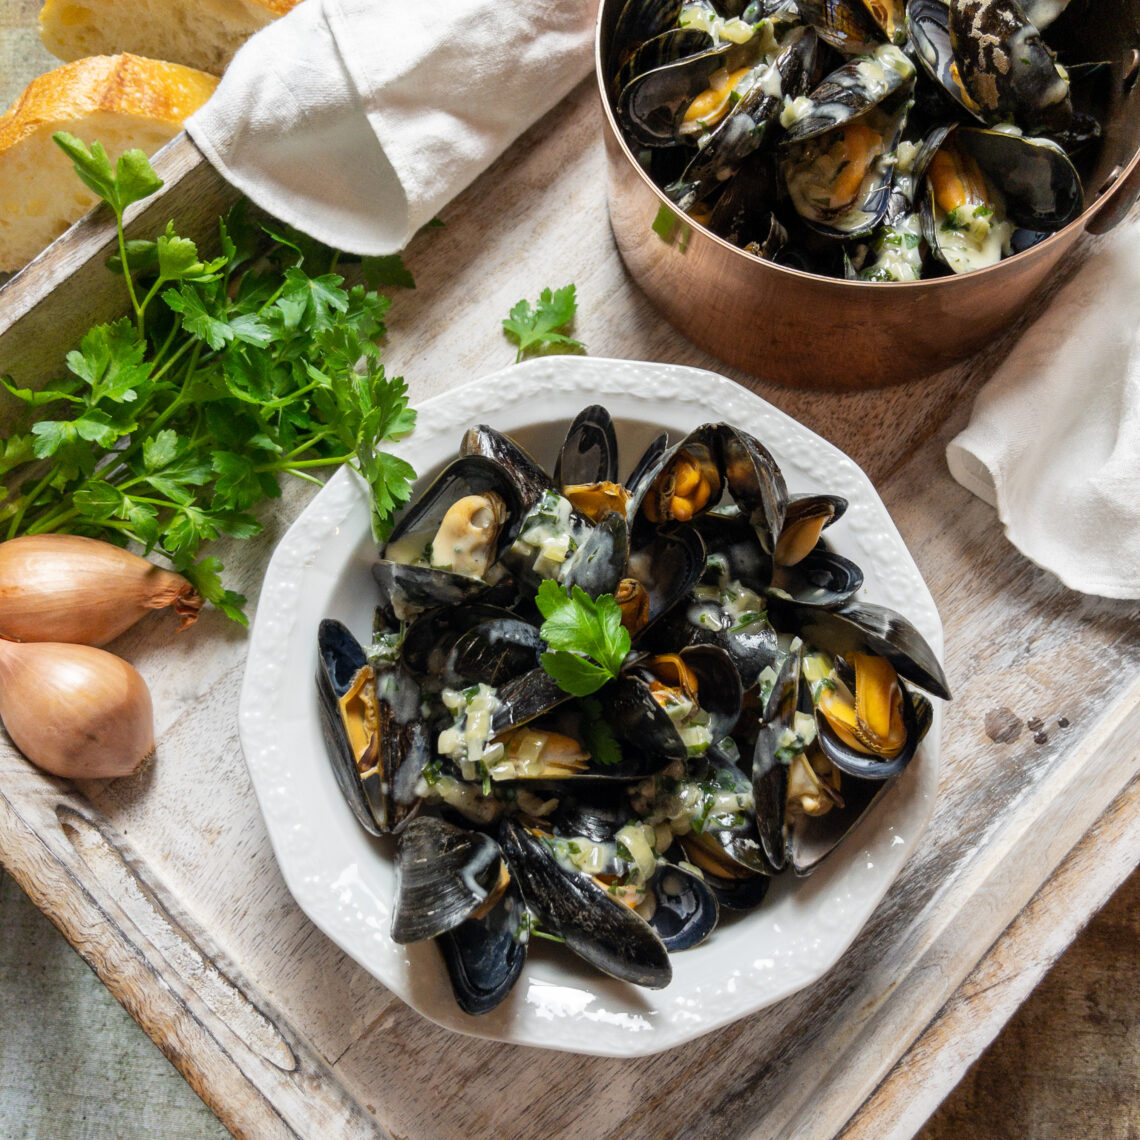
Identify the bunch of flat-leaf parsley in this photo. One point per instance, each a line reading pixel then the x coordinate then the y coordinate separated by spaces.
pixel 172 424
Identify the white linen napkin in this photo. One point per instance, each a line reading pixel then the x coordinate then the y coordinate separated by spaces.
pixel 1054 439
pixel 357 120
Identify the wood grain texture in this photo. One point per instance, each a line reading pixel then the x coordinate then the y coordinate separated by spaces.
pixel 160 859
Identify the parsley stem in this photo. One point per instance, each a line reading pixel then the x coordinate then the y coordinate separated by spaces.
pixel 27 500
pixel 127 271
pixel 301 464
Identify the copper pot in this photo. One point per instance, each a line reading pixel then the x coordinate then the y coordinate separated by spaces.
pixel 809 331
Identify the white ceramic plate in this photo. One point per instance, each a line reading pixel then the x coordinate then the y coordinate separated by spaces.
pixel 342 878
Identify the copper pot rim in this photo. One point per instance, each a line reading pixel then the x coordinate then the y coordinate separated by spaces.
pixel 1043 250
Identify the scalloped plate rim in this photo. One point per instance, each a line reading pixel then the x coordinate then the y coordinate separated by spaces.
pixel 557 1004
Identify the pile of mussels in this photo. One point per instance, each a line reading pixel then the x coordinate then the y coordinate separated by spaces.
pixel 757 715
pixel 879 140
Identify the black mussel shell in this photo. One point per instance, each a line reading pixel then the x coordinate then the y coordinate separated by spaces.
pixel 599 563
pixel 655 505
pixel 680 906
pixel 769 770
pixel 383 796
pixel 755 480
pixel 485 956
pixel 812 838
pixel 444 874
pixel 734 539
pixel 805 517
pixel 524 698
pixel 668 565
pixel 595 925
pixel 529 477
pixel 844 24
pixel 590 451
pixel 646 467
pixel 744 129
pixel 638 21
pixel 496 651
pixel 598 813
pixel 865 765
pixel 429 639
pixel 823 579
pixel 1006 66
pixel 863 627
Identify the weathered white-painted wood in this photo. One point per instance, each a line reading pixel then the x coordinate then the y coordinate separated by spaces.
pixel 167 884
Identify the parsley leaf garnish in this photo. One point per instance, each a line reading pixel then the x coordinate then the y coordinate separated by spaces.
pixel 172 425
pixel 535 330
pixel 587 641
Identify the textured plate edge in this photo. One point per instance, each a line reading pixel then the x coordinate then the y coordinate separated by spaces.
pixel 444 415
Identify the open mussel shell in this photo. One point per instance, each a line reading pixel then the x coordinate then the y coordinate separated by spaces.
pixel 840 182
pixel 1029 182
pixel 1006 66
pixel 810 839
pixel 769 769
pixel 668 565
pixel 408 579
pixel 429 640
pixel 824 578
pixel 850 92
pixel 444 875
pixel 639 719
pixel 806 516
pixel 680 906
pixel 844 24
pixel 525 698
pixel 863 627
pixel 529 477
pixel 637 22
pixel 669 46
pixel 731 538
pixel 651 106
pixel 755 481
pixel 745 127
pixel 687 481
pixel 484 956
pixel 646 467
pixel 589 454
pixel 377 743
pixel 928 25
pixel 595 925
pixel 868 766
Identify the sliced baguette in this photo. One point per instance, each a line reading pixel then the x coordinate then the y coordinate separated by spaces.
pixel 120 101
pixel 198 33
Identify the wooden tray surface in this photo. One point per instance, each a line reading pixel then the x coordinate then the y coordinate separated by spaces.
pixel 167 886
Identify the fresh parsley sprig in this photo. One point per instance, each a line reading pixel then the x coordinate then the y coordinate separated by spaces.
pixel 587 641
pixel 173 424
pixel 536 330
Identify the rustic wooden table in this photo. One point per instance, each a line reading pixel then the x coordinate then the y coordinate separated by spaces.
pixel 166 884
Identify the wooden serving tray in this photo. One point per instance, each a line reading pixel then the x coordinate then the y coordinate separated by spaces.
pixel 166 884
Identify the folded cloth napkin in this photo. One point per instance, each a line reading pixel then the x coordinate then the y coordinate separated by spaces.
pixel 1054 439
pixel 357 120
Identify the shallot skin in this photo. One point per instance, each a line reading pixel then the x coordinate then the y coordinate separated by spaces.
pixel 74 710
pixel 66 588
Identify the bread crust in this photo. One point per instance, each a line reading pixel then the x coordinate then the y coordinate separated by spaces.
pixel 121 101
pixel 197 33
pixel 119 84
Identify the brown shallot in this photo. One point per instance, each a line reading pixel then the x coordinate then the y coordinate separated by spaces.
pixel 62 587
pixel 74 710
